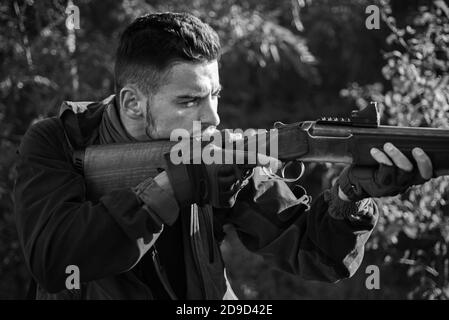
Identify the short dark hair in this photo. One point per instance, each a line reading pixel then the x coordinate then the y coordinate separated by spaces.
pixel 154 41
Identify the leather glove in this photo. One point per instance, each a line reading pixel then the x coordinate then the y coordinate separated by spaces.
pixel 383 181
pixel 214 184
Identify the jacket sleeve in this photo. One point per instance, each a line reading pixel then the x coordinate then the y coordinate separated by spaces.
pixel 58 226
pixel 324 243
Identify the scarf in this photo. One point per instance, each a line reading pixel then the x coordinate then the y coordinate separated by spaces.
pixel 111 129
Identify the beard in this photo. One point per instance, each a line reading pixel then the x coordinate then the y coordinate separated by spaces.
pixel 150 125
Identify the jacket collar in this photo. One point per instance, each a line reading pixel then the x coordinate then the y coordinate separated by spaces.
pixel 81 120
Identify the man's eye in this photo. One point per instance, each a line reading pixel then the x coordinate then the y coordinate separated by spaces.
pixel 190 103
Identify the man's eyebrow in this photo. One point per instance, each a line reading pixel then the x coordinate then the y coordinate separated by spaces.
pixel 199 93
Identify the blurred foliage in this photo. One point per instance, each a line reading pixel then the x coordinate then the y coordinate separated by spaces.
pixel 414 228
pixel 288 60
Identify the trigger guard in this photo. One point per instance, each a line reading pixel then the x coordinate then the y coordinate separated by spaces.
pixel 282 177
pixel 289 163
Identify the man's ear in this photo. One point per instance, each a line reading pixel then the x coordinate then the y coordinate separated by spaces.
pixel 132 102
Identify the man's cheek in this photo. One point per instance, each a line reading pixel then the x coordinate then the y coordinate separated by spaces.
pixel 182 120
pixel 166 128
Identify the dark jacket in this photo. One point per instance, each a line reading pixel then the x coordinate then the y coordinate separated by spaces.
pixel 60 225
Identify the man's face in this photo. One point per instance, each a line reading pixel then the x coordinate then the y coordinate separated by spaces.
pixel 189 92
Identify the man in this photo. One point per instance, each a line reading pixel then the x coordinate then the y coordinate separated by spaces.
pixel 160 239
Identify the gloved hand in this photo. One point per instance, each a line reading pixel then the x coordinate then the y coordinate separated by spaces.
pixel 217 184
pixel 394 175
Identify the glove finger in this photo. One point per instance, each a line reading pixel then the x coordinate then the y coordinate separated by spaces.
pixel 423 162
pixel 398 157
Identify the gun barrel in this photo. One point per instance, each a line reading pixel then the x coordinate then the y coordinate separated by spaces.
pixel 350 144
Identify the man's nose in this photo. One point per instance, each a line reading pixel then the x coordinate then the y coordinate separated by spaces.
pixel 209 115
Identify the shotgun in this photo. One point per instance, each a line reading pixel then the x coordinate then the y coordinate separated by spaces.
pixel 335 140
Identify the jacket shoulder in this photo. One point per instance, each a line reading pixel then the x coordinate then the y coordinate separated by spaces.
pixel 42 136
